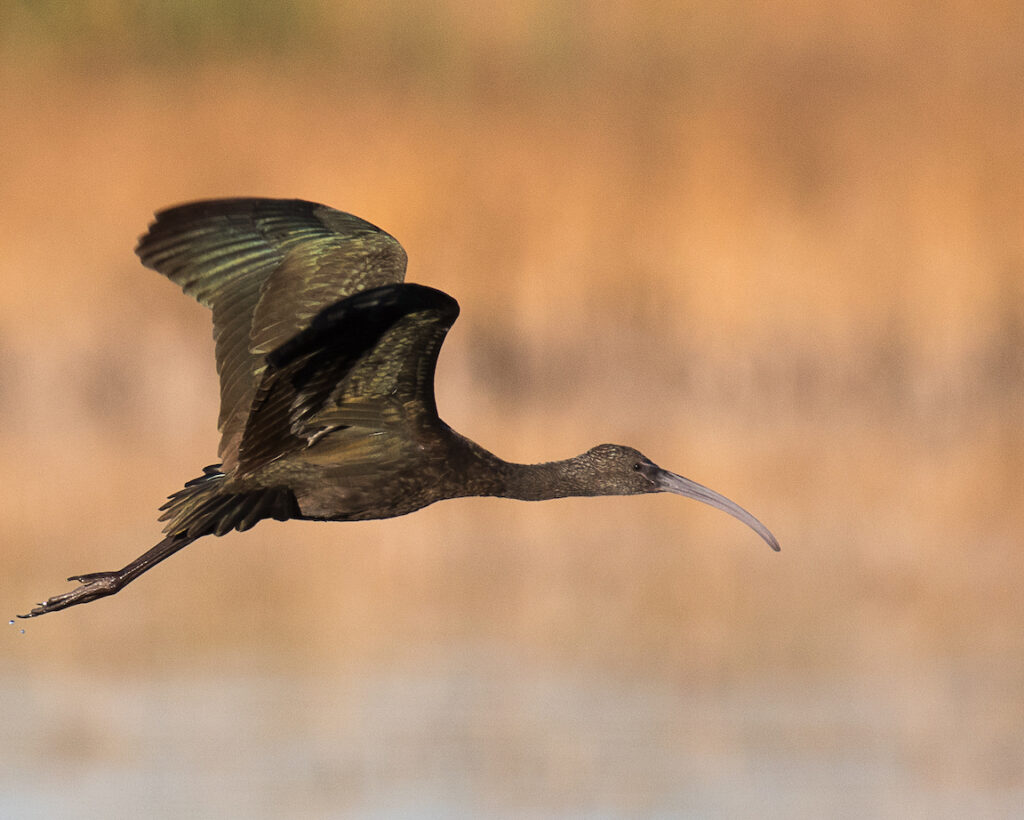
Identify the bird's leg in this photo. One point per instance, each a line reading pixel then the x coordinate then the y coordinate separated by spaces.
pixel 100 584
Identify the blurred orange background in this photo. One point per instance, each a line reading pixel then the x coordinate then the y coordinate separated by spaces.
pixel 779 249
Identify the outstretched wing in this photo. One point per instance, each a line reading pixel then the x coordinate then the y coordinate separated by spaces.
pixel 265 267
pixel 365 366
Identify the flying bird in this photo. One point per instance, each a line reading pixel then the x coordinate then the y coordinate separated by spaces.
pixel 326 361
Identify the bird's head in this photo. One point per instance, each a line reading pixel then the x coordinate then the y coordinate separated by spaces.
pixel 614 469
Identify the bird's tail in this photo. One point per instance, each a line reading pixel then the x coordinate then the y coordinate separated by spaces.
pixel 202 507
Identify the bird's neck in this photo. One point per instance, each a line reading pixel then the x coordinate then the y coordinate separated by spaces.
pixel 486 474
pixel 536 482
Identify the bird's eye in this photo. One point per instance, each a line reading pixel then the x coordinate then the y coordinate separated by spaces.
pixel 637 466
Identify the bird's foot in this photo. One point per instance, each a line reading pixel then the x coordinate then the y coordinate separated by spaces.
pixel 93 585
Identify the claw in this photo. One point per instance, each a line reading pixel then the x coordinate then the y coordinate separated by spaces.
pixel 94 585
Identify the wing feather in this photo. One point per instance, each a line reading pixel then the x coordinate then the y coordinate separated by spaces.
pixel 367 361
pixel 265 267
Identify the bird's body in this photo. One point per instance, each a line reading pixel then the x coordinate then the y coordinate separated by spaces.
pixel 326 363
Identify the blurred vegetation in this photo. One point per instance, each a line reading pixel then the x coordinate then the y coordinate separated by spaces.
pixel 140 33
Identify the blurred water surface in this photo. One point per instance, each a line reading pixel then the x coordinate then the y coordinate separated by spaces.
pixel 474 732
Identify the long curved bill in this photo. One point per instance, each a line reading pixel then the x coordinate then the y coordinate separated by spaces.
pixel 672 483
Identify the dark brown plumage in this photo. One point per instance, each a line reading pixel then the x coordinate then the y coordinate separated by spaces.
pixel 326 362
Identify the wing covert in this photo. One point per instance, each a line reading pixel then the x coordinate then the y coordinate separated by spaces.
pixel 365 362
